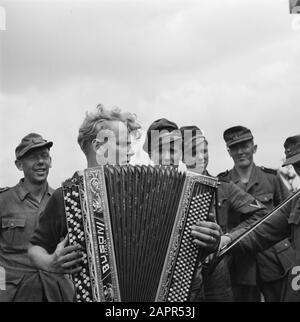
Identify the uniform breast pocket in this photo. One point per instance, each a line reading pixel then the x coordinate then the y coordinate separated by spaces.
pixel 267 199
pixel 13 234
pixel 294 221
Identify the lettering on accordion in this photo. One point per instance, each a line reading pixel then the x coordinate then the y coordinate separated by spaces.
pixel 100 239
pixel 133 223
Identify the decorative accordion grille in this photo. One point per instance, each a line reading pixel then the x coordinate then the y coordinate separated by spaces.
pixel 133 223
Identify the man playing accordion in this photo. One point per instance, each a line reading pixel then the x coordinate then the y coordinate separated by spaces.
pixel 105 138
pixel 49 250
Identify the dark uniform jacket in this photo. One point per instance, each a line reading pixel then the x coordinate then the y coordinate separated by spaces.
pixel 267 187
pixel 284 223
pixel 217 285
pixel 19 214
pixel 231 198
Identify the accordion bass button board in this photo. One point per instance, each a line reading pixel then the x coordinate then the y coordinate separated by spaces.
pixel 133 224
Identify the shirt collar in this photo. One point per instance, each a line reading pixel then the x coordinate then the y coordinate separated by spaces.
pixel 23 192
pixel 254 179
pixel 235 177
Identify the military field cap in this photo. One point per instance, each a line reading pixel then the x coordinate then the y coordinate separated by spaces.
pixel 292 150
pixel 163 124
pixel 237 134
pixel 29 142
pixel 160 125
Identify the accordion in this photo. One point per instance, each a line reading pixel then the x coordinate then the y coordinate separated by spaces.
pixel 133 224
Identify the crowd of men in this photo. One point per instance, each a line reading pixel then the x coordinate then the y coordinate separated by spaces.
pixel 38 261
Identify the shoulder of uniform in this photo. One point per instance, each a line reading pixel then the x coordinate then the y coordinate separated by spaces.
pixel 4 189
pixel 268 170
pixel 222 176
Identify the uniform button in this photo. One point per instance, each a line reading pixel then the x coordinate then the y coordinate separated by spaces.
pixel 12 225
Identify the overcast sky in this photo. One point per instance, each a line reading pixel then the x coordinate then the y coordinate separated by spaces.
pixel 214 64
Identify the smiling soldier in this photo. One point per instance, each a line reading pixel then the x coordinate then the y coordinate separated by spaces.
pixel 266 272
pixel 20 207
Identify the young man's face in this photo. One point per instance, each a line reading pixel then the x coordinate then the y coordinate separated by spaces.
pixel 242 153
pixel 167 154
pixel 35 164
pixel 198 162
pixel 113 145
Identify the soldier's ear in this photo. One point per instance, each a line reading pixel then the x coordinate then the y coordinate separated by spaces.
pixel 50 166
pixel 19 165
pixel 96 145
pixel 229 152
pixel 254 148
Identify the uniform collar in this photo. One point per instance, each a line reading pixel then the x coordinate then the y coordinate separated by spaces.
pixel 253 180
pixel 254 177
pixel 23 192
pixel 235 177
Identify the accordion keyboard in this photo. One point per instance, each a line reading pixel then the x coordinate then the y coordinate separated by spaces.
pixel 186 261
pixel 82 281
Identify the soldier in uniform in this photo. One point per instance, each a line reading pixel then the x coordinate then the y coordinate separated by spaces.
pixel 285 223
pixel 231 198
pixel 20 207
pixel 266 271
pixel 163 143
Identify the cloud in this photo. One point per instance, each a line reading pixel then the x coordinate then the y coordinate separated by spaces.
pixel 48 42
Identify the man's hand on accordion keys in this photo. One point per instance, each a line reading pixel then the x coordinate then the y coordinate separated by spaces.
pixel 66 259
pixel 207 235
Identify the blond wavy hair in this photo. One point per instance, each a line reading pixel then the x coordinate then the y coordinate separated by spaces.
pixel 98 120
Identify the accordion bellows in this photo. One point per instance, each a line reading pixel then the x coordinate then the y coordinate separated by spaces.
pixel 133 223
